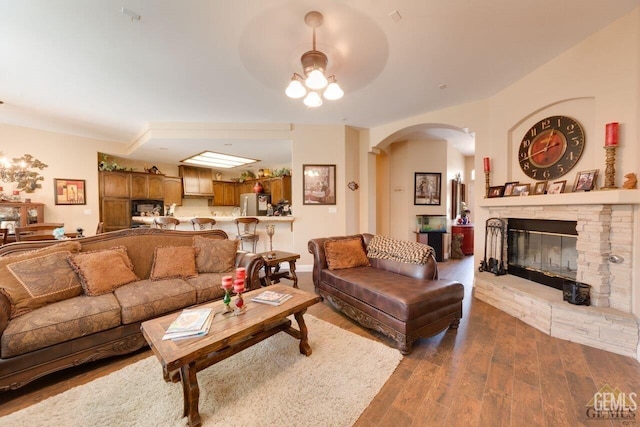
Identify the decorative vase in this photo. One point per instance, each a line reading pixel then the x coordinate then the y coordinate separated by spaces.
pixel 226 300
pixel 258 188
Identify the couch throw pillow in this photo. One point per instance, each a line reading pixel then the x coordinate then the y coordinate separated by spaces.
pixel 18 295
pixel 216 255
pixel 102 271
pixel 345 253
pixel 174 262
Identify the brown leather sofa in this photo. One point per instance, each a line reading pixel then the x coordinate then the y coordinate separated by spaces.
pixel 403 301
pixel 85 328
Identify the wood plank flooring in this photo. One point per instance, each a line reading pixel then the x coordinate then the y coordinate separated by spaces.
pixel 493 371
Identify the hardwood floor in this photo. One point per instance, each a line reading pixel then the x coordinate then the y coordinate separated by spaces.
pixel 493 371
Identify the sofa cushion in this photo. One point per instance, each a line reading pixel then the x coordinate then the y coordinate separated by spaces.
pixel 45 279
pixel 207 286
pixel 103 271
pixel 11 286
pixel 59 322
pixel 216 255
pixel 145 299
pixel 174 262
pixel 345 253
pixel 399 296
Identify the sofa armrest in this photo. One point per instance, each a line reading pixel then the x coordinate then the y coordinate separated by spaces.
pixel 316 248
pixel 5 312
pixel 253 263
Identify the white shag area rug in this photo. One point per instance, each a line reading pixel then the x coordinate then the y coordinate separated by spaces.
pixel 269 384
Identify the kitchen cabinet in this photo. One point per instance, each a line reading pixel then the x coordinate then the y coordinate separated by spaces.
pixel 115 213
pixel 172 190
pixel 115 184
pixel 280 188
pixel 467 240
pixel 22 214
pixel 196 182
pixel 147 186
pixel 225 194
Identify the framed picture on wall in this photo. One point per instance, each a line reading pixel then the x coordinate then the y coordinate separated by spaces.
pixel 70 191
pixel 427 188
pixel 319 184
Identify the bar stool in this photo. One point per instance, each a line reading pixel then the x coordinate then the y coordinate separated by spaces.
pixel 202 223
pixel 166 222
pixel 248 231
pixel 4 235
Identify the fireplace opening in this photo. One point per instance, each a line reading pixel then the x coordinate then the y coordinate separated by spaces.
pixel 543 251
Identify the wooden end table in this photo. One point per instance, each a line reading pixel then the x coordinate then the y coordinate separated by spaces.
pixel 182 359
pixel 272 273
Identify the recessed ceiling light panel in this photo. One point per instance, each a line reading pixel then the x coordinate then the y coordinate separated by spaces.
pixel 218 160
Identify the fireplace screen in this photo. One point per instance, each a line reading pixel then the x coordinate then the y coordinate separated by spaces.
pixel 545 256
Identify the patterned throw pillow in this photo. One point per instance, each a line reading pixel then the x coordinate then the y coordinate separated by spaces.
pixel 345 253
pixel 174 262
pixel 102 271
pixel 45 279
pixel 216 255
pixel 16 292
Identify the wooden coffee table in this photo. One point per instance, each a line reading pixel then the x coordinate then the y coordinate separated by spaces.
pixel 229 334
pixel 272 273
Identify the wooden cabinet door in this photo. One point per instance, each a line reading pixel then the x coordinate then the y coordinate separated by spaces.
pixel 205 181
pixel 231 197
pixel 115 184
pixel 115 214
pixel 281 189
pixel 172 190
pixel 139 186
pixel 218 193
pixel 196 181
pixel 155 187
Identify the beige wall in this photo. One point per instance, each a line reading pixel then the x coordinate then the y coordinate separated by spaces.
pixel 68 157
pixel 596 82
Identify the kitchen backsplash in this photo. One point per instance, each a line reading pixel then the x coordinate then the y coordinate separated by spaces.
pixel 200 207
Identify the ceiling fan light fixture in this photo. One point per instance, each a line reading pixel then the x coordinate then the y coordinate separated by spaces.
pixel 314 65
pixel 313 99
pixel 333 90
pixel 295 89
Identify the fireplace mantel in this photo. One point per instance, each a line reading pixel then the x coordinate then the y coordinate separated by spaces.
pixel 599 197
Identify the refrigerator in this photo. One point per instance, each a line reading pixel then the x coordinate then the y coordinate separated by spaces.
pixel 254 204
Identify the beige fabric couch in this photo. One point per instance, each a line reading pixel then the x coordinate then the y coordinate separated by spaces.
pixel 85 328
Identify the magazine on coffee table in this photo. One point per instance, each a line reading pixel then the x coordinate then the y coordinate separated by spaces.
pixel 191 322
pixel 271 297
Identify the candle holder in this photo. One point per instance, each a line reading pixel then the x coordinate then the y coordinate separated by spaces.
pixel 239 305
pixel 610 168
pixel 226 300
pixel 486 184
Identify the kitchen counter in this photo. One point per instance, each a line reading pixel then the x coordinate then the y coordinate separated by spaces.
pixel 282 239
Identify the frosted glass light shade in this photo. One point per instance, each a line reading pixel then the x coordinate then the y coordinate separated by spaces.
pixel 316 80
pixel 333 92
pixel 295 89
pixel 312 100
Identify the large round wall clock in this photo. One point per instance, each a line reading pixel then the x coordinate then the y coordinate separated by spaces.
pixel 551 147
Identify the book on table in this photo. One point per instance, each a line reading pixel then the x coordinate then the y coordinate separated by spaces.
pixel 190 323
pixel 271 297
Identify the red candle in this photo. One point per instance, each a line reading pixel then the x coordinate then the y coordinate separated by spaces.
pixel 241 273
pixel 611 135
pixel 227 283
pixel 487 164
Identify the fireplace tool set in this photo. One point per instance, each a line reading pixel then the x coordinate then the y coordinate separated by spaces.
pixel 493 246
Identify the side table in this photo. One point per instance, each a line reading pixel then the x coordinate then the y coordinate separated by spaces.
pixel 272 273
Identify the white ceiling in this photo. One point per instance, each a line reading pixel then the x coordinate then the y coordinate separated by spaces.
pixel 83 67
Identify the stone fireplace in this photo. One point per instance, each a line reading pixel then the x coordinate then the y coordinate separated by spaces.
pixel 602 230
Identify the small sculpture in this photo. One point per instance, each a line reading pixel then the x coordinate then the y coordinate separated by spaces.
pixel 456 246
pixel 631 182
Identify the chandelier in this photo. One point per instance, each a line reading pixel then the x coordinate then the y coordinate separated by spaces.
pixel 314 65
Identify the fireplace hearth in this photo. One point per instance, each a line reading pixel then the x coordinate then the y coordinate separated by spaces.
pixel 543 251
